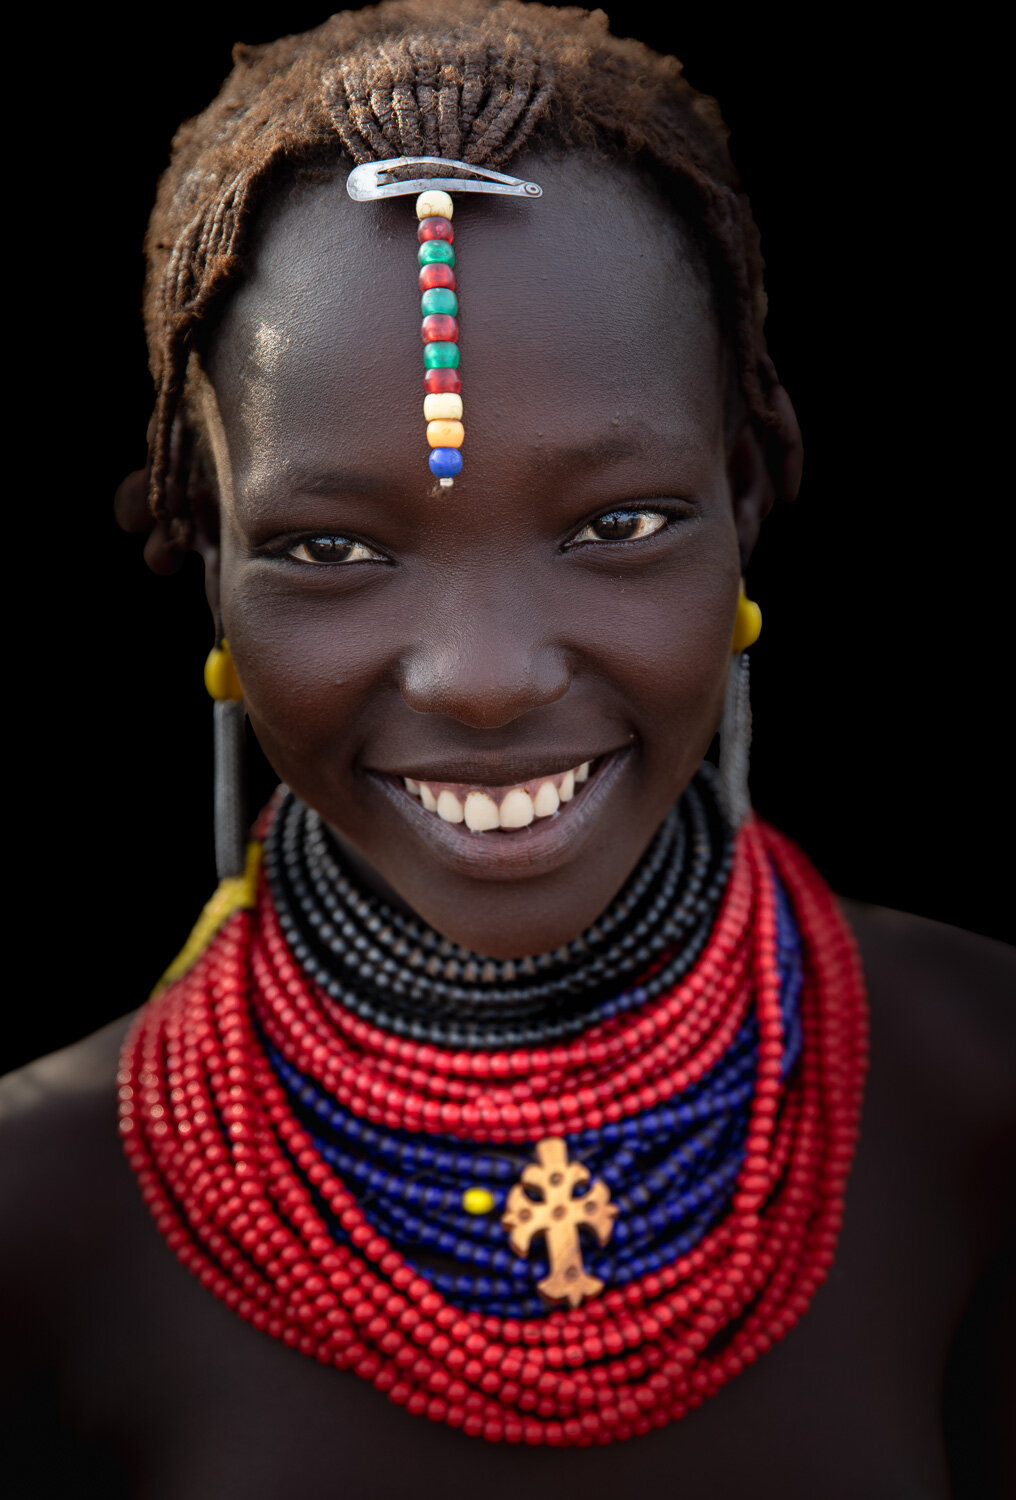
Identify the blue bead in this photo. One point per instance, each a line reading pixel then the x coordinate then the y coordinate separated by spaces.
pixel 445 462
pixel 672 1170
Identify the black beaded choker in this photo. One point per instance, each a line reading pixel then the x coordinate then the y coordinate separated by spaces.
pixel 395 972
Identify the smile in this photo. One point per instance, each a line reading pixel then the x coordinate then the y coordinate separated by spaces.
pixel 541 840
pixel 513 806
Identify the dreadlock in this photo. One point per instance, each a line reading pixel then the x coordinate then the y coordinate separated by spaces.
pixel 455 78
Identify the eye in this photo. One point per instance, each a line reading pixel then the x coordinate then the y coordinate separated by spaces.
pixel 331 549
pixel 623 526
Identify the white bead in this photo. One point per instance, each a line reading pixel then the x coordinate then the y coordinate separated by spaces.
pixel 442 406
pixel 434 205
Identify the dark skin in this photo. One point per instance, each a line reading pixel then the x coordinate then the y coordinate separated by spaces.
pixel 491 638
pixel 582 397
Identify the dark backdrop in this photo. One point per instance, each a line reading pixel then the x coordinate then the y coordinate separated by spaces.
pixel 881 676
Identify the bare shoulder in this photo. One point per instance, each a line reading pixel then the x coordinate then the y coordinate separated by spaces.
pixel 944 1001
pixel 60 1160
pixel 941 1103
pixel 41 1099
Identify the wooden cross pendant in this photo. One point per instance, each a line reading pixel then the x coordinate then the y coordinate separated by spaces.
pixel 557 1213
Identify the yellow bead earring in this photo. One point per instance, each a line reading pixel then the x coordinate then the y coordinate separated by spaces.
pixel 224 687
pixel 221 679
pixel 747 623
pixel 735 727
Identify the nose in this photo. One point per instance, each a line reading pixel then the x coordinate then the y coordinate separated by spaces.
pixel 485 666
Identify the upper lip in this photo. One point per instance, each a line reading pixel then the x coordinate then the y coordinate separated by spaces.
pixel 499 769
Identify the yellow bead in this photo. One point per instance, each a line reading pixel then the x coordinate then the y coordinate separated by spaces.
pixel 221 678
pixel 477 1201
pixel 442 406
pixel 445 434
pixel 434 205
pixel 747 623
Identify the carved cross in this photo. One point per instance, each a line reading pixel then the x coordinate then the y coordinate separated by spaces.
pixel 558 1214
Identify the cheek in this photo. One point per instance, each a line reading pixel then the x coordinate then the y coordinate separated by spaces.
pixel 667 649
pixel 321 664
pixel 313 666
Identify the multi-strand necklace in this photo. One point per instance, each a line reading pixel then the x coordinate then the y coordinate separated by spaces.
pixel 560 1200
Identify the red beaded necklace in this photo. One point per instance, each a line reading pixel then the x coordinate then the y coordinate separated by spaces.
pixel 236 1184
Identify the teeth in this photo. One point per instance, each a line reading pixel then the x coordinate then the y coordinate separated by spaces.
pixel 449 808
pixel 481 812
pixel 517 810
pixel 546 802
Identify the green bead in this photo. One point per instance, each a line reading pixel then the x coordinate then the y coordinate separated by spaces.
pixel 439 300
pixel 436 250
pixel 441 356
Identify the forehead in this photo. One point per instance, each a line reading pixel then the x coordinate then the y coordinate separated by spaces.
pixel 585 317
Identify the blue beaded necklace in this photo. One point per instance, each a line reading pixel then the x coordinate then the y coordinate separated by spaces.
pixel 671 1170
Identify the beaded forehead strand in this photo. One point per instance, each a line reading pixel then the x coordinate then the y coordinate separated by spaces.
pixel 439 303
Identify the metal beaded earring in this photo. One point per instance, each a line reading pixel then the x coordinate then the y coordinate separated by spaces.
pixel 735 726
pixel 224 688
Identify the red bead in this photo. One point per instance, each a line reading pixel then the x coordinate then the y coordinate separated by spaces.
pixel 245 1223
pixel 439 328
pixel 435 228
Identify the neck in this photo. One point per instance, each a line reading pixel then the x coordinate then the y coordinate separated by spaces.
pixel 394 971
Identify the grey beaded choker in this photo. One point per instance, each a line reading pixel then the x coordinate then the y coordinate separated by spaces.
pixel 393 971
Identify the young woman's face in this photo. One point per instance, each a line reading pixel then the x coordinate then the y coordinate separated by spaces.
pixel 570 601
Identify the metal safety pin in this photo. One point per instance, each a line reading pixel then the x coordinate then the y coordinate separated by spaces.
pixel 363 182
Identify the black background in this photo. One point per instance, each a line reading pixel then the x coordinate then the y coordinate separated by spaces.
pixel 881 683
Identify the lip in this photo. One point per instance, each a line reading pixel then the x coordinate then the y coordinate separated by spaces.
pixel 536 850
pixel 496 769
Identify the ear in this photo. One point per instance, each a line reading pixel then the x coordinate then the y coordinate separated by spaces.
pixel 764 465
pixel 784 447
pixel 166 547
pixel 193 522
pixel 203 509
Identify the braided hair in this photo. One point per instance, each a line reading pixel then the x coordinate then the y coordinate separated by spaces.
pixel 455 78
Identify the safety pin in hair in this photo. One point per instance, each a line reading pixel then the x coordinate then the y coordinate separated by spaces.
pixel 364 182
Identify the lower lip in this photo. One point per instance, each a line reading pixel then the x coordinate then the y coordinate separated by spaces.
pixel 499 855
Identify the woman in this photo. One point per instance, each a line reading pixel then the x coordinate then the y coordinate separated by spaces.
pixel 485 700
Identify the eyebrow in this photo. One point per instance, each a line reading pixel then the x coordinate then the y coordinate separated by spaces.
pixel 326 483
pixel 610 446
pixel 575 457
pixel 637 440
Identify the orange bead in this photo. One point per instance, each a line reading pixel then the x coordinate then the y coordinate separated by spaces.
pixel 444 434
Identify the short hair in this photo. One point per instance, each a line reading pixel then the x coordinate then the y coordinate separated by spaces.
pixel 455 78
